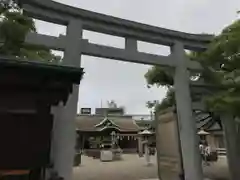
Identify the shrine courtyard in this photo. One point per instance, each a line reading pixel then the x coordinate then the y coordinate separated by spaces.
pixel 133 168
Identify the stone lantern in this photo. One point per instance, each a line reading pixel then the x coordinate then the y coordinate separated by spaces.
pixel 202 134
pixel 145 134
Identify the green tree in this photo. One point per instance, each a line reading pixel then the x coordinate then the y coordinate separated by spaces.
pixel 168 101
pixel 151 104
pixel 221 68
pixel 14 26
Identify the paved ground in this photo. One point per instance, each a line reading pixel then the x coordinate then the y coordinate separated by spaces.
pixel 134 168
pixel 217 170
pixel 130 168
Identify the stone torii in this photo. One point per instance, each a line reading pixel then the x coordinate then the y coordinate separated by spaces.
pixel 74 46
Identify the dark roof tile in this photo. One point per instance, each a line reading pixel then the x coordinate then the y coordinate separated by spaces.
pixel 88 123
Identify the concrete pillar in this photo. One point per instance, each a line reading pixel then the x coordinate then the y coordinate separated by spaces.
pixel 83 141
pixel 131 45
pixel 187 125
pixel 231 133
pixel 140 147
pixel 72 53
pixel 147 155
pixel 64 134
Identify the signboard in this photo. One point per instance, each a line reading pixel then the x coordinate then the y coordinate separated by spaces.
pixel 85 110
pixel 168 146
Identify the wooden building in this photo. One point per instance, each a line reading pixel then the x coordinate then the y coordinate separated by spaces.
pixel 213 127
pixel 94 130
pixel 28 91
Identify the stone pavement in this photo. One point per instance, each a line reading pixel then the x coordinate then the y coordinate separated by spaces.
pixel 170 179
pixel 130 168
pixel 134 168
pixel 158 179
pixel 217 170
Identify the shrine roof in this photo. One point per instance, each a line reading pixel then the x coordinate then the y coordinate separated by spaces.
pixel 72 74
pixel 92 123
pixel 204 120
pixel 143 124
pixel 207 122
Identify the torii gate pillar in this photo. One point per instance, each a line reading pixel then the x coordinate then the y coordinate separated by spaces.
pixel 64 132
pixel 187 126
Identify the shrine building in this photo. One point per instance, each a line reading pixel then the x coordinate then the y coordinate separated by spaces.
pixel 96 129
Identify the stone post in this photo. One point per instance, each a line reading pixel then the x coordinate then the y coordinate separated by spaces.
pixel 187 125
pixel 231 135
pixel 64 137
pixel 64 133
pixel 147 155
pixel 140 146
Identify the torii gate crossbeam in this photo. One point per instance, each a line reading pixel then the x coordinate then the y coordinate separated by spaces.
pixel 74 46
pixel 129 54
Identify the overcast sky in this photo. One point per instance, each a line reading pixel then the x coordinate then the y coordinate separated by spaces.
pixel 124 82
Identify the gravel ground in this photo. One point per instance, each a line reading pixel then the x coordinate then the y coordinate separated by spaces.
pixel 134 168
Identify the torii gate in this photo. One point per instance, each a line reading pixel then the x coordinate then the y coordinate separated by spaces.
pixel 74 47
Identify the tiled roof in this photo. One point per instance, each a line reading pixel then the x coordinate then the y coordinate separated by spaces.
pixel 145 124
pixel 206 122
pixel 52 69
pixel 88 123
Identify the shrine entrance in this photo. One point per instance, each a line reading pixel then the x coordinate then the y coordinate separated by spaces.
pixel 74 46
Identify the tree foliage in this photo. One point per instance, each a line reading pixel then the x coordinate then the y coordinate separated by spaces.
pixel 222 65
pixel 168 101
pixel 160 76
pixel 14 26
pixel 163 76
pixel 221 62
pixel 151 104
